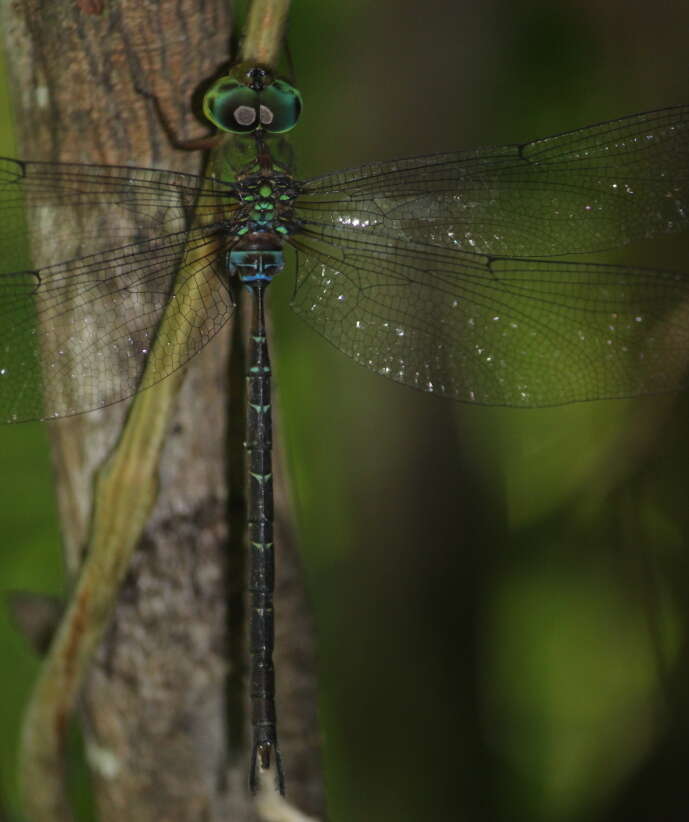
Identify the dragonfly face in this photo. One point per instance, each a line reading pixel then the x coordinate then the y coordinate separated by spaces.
pixel 251 98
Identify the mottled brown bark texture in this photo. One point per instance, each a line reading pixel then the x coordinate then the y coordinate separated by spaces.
pixel 163 714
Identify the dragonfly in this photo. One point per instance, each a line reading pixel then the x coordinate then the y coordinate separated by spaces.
pixel 438 272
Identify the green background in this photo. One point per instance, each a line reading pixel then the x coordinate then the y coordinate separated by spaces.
pixel 501 596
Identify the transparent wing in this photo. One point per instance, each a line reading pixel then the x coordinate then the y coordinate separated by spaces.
pixel 75 205
pixel 496 331
pixel 585 190
pixel 78 317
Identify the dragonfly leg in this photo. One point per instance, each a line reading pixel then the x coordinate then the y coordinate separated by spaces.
pixel 205 142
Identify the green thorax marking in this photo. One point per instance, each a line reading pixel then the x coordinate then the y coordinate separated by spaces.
pixel 267 204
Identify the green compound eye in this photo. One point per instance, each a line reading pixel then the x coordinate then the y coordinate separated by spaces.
pixel 249 99
pixel 280 106
pixel 232 106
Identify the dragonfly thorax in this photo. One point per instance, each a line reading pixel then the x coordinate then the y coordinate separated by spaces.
pixel 264 220
pixel 266 206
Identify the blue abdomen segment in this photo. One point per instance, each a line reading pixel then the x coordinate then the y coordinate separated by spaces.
pixel 255 265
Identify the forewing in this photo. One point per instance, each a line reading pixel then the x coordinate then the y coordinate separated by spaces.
pixel 77 208
pixel 585 190
pixel 93 258
pixel 503 331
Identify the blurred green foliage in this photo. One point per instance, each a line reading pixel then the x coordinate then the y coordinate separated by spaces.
pixel 501 596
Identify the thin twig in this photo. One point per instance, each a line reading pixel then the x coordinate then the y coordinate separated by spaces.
pixel 265 28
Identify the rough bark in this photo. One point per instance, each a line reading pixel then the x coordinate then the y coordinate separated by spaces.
pixel 164 733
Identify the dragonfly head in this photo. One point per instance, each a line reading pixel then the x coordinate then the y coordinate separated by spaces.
pixel 251 99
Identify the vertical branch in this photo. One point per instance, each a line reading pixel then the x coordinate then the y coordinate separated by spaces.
pixel 264 31
pixel 154 702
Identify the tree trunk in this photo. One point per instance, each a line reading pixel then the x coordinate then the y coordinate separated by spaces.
pixel 165 732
